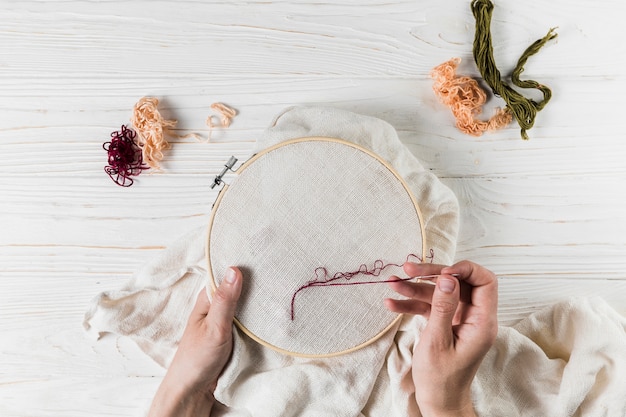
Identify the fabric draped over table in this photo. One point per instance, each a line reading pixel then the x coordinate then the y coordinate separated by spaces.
pixel 569 359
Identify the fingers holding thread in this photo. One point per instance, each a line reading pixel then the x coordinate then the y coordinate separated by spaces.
pixel 414 290
pixel 407 306
pixel 443 310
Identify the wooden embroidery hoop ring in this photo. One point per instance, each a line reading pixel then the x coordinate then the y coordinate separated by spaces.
pixel 242 168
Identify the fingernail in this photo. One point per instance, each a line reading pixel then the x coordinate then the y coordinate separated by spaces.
pixel 231 275
pixel 446 285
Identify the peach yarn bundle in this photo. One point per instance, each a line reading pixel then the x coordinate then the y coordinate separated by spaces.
pixel 151 127
pixel 226 112
pixel 465 98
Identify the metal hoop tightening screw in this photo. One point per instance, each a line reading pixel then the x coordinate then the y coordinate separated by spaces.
pixel 228 166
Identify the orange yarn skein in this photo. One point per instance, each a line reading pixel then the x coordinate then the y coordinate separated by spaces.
pixel 465 98
pixel 151 126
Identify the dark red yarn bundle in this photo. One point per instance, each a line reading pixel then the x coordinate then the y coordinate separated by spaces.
pixel 124 157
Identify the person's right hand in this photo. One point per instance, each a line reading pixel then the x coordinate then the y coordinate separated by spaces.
pixel 462 326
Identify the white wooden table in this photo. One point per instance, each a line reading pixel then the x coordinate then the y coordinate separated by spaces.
pixel 547 215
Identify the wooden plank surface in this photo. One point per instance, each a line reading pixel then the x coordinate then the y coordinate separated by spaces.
pixel 547 215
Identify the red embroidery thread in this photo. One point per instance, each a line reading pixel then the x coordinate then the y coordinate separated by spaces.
pixel 324 279
pixel 124 157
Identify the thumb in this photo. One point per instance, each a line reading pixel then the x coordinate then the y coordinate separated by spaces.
pixel 444 304
pixel 224 301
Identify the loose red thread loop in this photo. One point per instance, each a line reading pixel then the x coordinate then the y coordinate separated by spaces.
pixel 324 279
pixel 124 157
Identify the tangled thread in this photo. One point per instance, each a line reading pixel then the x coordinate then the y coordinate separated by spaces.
pixel 151 126
pixel 324 279
pixel 128 149
pixel 523 109
pixel 124 157
pixel 465 98
pixel 227 115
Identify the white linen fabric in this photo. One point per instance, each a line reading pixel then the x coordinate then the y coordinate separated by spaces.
pixel 568 360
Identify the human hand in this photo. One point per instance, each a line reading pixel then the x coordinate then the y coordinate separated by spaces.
pixel 205 347
pixel 462 326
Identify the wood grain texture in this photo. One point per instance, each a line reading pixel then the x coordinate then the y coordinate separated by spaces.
pixel 547 215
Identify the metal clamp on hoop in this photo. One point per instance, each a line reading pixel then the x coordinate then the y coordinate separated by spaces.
pixel 228 166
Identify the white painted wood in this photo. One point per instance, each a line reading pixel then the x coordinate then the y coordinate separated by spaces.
pixel 547 215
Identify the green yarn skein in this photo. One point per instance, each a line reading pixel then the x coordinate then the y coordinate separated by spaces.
pixel 523 109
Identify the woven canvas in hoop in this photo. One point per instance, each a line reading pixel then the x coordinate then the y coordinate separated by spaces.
pixel 302 205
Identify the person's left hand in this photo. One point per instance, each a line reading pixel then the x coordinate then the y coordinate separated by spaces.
pixel 203 352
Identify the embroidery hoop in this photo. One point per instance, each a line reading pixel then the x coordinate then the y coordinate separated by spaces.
pixel 244 318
